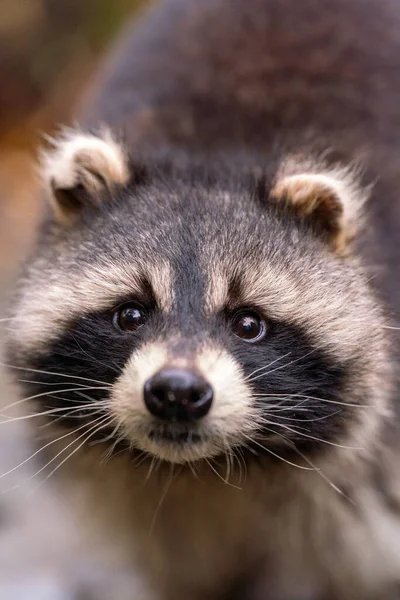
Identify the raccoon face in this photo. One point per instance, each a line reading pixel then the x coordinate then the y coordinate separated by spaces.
pixel 186 315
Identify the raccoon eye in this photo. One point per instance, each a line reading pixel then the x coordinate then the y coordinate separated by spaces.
pixel 129 317
pixel 249 327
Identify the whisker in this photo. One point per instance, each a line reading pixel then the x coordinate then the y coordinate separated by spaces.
pixel 228 466
pixel 5 365
pixel 293 396
pixel 238 455
pixel 109 437
pixel 151 467
pixel 220 476
pixel 139 460
pixel 104 421
pixel 111 450
pixel 310 420
pixel 79 393
pixel 88 410
pixel 162 498
pixel 192 469
pixel 338 402
pixel 250 449
pixel 266 366
pixel 41 450
pixel 252 441
pixel 94 358
pixel 9 420
pixel 311 437
pixel 60 383
pixel 49 393
pixel 292 362
pixel 316 469
pixel 283 407
pixel 283 395
pixel 76 400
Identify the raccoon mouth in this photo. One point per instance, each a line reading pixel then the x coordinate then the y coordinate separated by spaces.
pixel 175 437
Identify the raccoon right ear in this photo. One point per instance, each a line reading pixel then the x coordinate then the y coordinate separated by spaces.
pixel 80 167
pixel 331 200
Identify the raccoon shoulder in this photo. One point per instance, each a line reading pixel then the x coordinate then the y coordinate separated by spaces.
pixel 187 72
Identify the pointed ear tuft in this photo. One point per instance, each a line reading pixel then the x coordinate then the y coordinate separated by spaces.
pixel 331 200
pixel 79 167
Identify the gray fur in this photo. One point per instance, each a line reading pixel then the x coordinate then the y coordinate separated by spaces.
pixel 190 211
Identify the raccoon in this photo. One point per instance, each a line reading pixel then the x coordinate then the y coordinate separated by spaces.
pixel 207 323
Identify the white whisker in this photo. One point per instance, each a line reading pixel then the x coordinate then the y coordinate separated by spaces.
pixel 266 366
pixel 109 437
pixel 220 476
pixel 252 441
pixel 93 358
pixel 162 498
pixel 53 373
pixel 307 420
pixel 111 450
pixel 41 450
pixel 104 421
pixel 151 467
pixel 292 362
pixel 238 455
pixel 49 393
pixel 52 411
pixel 48 383
pixel 290 397
pixel 311 437
pixel 316 469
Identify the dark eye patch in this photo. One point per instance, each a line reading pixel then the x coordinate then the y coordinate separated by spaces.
pixel 90 354
pixel 296 385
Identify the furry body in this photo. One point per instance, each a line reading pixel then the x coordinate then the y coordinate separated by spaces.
pixel 228 181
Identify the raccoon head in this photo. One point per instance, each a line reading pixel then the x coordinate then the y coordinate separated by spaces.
pixel 197 310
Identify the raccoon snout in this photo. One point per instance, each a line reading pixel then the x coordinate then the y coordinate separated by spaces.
pixel 178 395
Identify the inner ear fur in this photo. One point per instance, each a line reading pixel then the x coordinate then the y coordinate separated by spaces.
pixel 332 201
pixel 79 167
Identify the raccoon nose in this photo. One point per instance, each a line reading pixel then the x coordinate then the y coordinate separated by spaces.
pixel 178 395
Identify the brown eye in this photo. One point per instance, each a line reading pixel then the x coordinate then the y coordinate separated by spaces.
pixel 249 327
pixel 129 317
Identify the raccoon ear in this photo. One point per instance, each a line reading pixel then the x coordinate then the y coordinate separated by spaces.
pixel 333 202
pixel 79 167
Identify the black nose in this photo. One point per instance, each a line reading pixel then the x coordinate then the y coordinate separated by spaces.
pixel 178 395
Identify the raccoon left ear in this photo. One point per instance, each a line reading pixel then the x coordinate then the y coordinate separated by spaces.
pixel 332 201
pixel 80 167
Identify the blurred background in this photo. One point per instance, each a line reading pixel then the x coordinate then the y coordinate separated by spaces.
pixel 48 51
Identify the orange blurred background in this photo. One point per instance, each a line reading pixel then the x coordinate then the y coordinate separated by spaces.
pixel 48 50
